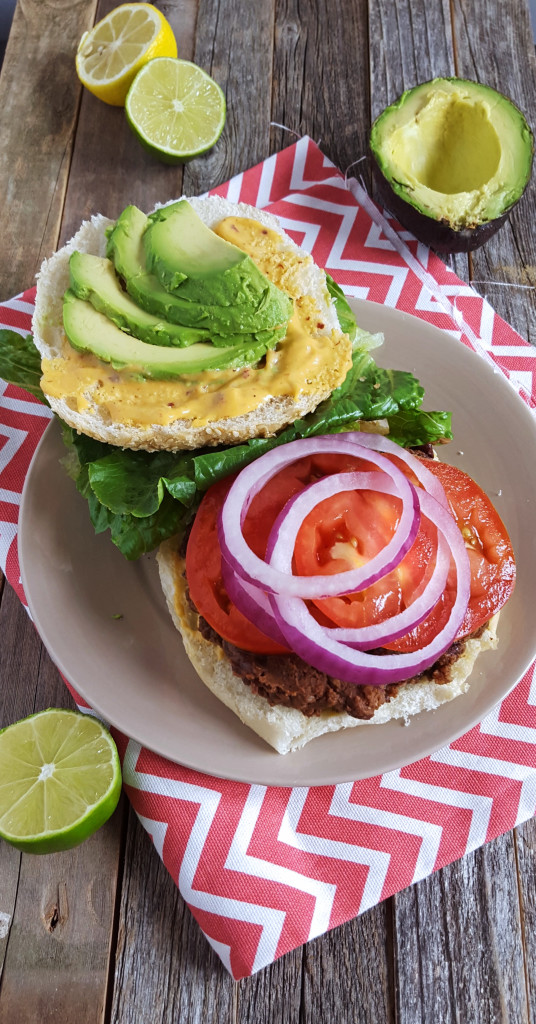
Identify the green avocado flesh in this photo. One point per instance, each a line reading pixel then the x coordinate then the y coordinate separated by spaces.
pixel 88 330
pixel 146 327
pixel 94 279
pixel 126 249
pixel 456 151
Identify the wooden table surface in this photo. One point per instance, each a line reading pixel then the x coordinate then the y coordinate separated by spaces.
pixel 101 934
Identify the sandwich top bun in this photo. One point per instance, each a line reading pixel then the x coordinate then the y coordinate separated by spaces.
pixel 287 729
pixel 208 408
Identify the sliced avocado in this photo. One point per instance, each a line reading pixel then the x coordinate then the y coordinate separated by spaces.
pixel 126 250
pixel 451 157
pixel 93 278
pixel 193 262
pixel 91 331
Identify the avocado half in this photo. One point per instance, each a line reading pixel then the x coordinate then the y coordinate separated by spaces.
pixel 450 159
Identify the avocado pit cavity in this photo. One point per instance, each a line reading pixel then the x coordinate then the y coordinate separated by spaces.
pixel 450 159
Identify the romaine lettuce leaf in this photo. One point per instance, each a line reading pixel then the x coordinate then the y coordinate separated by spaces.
pixel 145 497
pixel 20 362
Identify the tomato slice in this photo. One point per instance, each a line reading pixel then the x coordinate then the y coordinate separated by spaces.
pixel 203 572
pixel 203 555
pixel 491 558
pixel 346 531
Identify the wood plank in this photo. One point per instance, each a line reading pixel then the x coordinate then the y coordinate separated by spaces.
pixel 457 943
pixel 320 82
pixel 228 31
pixel 348 972
pixel 166 971
pixel 110 169
pixel 273 994
pixel 505 60
pixel 20 653
pixel 41 97
pixel 410 42
pixel 165 968
pixel 54 955
pixel 525 850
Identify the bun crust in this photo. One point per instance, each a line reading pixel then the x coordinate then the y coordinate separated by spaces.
pixel 270 414
pixel 287 729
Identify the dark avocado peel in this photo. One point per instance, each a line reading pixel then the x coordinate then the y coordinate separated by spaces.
pixel 450 160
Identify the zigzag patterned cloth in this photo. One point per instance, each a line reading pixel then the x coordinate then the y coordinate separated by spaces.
pixel 266 869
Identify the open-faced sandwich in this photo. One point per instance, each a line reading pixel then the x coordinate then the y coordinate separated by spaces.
pixel 219 400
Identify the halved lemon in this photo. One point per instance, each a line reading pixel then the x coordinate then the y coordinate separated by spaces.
pixel 60 780
pixel 175 109
pixel 111 54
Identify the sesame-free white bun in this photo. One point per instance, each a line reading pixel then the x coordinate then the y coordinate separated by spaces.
pixel 287 729
pixel 270 415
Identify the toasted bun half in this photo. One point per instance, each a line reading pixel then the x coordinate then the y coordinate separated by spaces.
pixel 88 410
pixel 287 729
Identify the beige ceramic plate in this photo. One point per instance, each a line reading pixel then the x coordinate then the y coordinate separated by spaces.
pixel 133 669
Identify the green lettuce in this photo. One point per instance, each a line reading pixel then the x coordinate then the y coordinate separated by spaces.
pixel 144 497
pixel 20 362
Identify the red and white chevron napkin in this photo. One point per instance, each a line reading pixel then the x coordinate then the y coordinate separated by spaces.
pixel 265 869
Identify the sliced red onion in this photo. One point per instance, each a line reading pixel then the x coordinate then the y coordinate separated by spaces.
pixel 250 481
pixel 252 602
pixel 287 526
pixel 316 645
pixel 379 443
pixel 365 637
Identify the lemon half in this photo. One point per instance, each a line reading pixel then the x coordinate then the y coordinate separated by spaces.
pixel 111 54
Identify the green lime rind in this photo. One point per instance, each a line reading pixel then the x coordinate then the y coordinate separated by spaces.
pixel 161 152
pixel 81 785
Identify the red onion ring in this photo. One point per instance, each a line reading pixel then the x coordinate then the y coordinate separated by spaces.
pixel 252 602
pixel 380 443
pixel 316 645
pixel 250 481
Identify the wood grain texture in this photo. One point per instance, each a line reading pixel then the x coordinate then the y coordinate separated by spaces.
pixel 458 951
pixel 54 958
pixel 410 42
pixel 110 169
pixel 166 972
pixel 525 850
pixel 505 60
pixel 320 80
pixel 39 98
pixel 348 972
pixel 226 34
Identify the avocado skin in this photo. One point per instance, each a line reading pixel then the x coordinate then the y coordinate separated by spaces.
pixel 436 234
pixel 89 330
pixel 432 228
pixel 126 250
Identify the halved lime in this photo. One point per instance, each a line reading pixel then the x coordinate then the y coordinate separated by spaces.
pixel 175 109
pixel 60 780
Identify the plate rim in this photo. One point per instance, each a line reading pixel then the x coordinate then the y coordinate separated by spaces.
pixel 294 778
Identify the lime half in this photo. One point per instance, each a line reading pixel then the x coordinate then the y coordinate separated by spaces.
pixel 175 109
pixel 60 780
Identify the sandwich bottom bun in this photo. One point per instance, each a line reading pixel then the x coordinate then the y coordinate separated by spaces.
pixel 195 410
pixel 287 729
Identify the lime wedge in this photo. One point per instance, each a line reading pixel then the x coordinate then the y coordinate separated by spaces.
pixel 60 780
pixel 175 109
